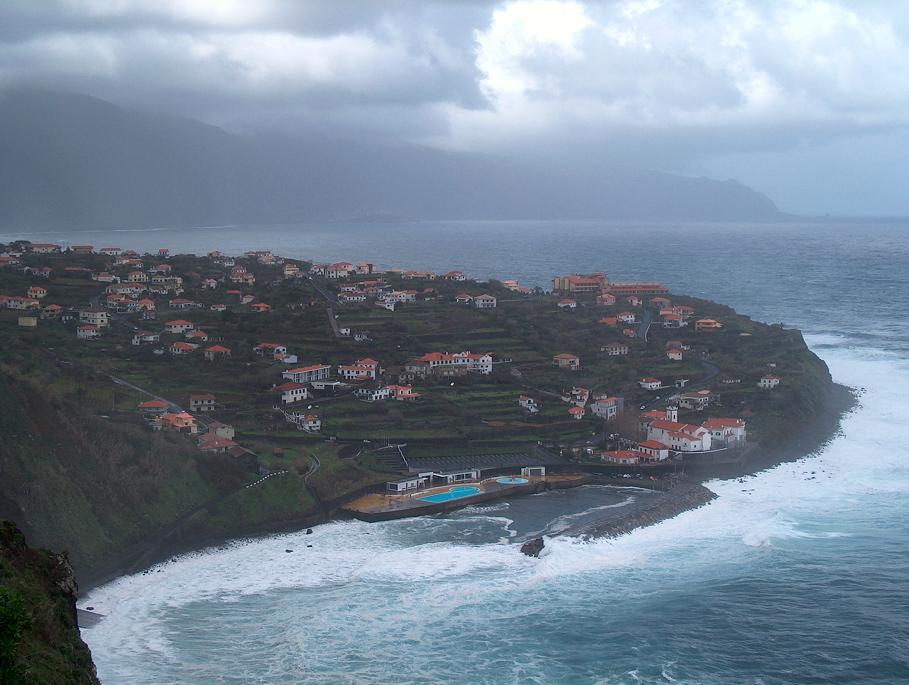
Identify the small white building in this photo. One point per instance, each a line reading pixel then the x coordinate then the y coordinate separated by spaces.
pixel 696 400
pixel 416 482
pixel 615 349
pixel 88 332
pixel 373 394
pixel 484 302
pixel 769 381
pixel 94 317
pixel 650 383
pixel 291 392
pixel 179 326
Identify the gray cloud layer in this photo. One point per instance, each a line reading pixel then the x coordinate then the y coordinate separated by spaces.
pixel 712 86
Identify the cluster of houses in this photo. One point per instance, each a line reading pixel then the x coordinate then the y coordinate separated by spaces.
pixel 132 284
pixel 598 283
pixel 663 435
pixel 447 364
pixel 604 406
pixel 580 401
pixel 211 436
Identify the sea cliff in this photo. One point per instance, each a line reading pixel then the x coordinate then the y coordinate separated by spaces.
pixel 39 633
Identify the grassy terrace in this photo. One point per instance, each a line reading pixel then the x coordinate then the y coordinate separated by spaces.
pixel 474 415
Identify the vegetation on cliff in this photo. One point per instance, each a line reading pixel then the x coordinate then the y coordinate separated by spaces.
pixel 39 635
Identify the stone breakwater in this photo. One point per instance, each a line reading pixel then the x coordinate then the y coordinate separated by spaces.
pixel 678 496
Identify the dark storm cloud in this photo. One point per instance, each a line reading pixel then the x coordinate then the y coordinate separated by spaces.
pixel 662 82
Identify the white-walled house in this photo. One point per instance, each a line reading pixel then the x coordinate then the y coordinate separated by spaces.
pixel 484 302
pixel 729 432
pixel 308 374
pixel 769 381
pixel 291 392
pixel 94 317
pixel 681 437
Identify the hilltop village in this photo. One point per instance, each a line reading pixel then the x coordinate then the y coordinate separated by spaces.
pixel 397 379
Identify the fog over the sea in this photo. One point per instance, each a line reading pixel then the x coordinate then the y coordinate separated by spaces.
pixel 804 100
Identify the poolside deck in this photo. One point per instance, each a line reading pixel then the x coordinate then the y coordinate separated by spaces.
pixel 382 506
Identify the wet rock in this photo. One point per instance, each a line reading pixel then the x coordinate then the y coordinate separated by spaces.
pixel 532 548
pixel 309 531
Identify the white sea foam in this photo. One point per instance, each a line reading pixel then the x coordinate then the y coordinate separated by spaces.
pixel 795 500
pixel 353 565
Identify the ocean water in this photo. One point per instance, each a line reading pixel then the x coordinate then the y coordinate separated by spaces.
pixel 798 574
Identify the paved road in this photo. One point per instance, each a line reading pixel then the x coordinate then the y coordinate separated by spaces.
pixel 711 370
pixel 644 328
pixel 330 297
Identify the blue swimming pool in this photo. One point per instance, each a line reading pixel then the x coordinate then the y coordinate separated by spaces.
pixel 511 480
pixel 456 492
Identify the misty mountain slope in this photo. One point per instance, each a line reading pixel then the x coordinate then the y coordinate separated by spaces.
pixel 73 161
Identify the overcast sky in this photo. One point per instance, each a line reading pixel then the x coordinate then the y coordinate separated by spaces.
pixel 806 100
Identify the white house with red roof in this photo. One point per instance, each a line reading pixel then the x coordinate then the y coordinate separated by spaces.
pixel 373 394
pixel 607 406
pixel 696 400
pixel 681 437
pixel 654 449
pixel 567 361
pixel 623 457
pixel 769 381
pixel 88 332
pixel 529 404
pixel 577 396
pixel 339 270
pixel 308 374
pixel 659 302
pixel 146 338
pixel 291 392
pixel 202 402
pixel 179 326
pixel 403 393
pixel 269 349
pixel 445 363
pixel 484 301
pixel 576 412
pixel 729 432
pixel 568 303
pixel 153 407
pixel 215 352
pixel 181 347
pixel 45 248
pixel 360 370
pixel 650 383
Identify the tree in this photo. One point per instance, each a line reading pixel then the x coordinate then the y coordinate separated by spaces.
pixel 14 619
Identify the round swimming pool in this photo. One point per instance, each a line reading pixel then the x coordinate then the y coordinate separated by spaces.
pixel 511 480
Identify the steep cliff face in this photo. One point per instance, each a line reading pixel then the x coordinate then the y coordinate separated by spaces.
pixel 95 487
pixel 39 634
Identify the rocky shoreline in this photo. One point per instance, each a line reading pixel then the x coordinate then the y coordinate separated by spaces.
pixel 680 495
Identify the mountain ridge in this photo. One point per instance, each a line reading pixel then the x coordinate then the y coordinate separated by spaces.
pixel 77 162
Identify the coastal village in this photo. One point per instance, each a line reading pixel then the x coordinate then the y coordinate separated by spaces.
pixel 422 380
